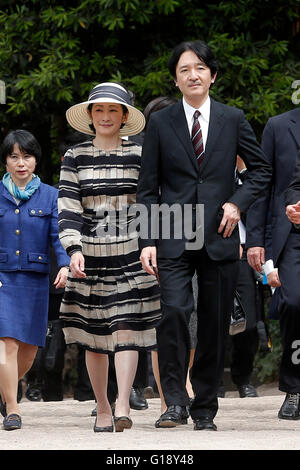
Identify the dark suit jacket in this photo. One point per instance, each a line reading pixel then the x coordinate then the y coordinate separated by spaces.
pixel 292 194
pixel 170 173
pixel 267 223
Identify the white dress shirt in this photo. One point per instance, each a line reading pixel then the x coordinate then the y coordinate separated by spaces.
pixel 203 118
pixel 242 228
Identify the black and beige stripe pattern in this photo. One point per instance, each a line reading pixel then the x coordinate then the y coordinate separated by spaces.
pixel 117 305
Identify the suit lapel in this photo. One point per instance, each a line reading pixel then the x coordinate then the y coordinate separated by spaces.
pixel 179 124
pixel 294 126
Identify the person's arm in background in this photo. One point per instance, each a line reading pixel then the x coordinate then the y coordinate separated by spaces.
pixel 62 258
pixel 258 239
pixel 70 214
pixel 148 194
pixel 292 196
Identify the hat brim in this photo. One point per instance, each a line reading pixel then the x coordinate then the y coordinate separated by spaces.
pixel 78 118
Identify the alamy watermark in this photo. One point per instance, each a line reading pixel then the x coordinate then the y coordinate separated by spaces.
pixel 160 221
pixel 2 92
pixel 296 354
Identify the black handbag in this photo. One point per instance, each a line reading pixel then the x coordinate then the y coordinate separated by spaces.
pixel 238 319
pixel 55 343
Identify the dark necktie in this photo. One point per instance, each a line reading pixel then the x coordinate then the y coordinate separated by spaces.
pixel 197 139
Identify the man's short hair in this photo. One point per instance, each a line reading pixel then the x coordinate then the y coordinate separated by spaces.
pixel 200 48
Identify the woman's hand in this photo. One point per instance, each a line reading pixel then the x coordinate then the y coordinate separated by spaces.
pixel 77 265
pixel 61 278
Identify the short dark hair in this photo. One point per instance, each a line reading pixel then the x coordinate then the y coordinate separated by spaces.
pixel 200 48
pixel 156 104
pixel 71 139
pixel 26 141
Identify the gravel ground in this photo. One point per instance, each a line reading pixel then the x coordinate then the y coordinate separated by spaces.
pixel 243 424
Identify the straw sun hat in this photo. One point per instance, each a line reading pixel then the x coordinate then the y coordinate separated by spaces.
pixel 79 119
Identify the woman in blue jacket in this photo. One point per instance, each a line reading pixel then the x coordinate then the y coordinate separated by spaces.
pixel 28 227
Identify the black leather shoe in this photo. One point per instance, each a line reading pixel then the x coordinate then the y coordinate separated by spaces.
pixel 33 394
pixel 84 396
pixel 137 400
pixel 174 415
pixel 188 407
pixel 204 424
pixel 290 408
pixel 221 391
pixel 112 405
pixel 12 421
pixel 103 428
pixel 247 391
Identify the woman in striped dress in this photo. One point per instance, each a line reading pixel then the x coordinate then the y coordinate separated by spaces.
pixel 110 305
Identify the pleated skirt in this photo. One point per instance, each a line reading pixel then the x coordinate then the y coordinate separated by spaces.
pixel 117 306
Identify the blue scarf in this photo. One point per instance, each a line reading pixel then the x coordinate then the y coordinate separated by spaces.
pixel 13 189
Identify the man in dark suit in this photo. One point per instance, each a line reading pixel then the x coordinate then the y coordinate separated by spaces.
pixel 171 174
pixel 273 245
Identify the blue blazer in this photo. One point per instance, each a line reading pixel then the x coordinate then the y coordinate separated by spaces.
pixel 28 230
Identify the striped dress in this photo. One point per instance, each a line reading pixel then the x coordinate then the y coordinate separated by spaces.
pixel 117 306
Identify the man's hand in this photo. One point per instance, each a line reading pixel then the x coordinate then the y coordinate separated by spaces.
pixel 77 265
pixel 273 279
pixel 231 217
pixel 148 259
pixel 256 257
pixel 293 212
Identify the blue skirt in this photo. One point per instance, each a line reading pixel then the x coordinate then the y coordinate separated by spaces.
pixel 24 300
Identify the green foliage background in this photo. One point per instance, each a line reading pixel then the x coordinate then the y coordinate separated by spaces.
pixel 53 52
